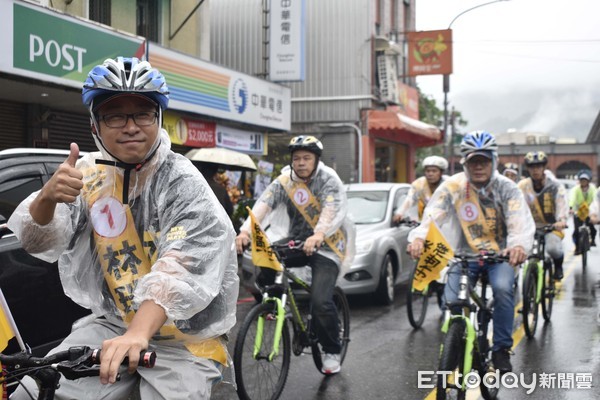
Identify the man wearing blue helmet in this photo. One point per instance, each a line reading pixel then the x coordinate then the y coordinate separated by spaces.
pixel 480 209
pixel 141 241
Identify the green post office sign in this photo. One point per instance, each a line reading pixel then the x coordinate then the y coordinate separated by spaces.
pixel 59 48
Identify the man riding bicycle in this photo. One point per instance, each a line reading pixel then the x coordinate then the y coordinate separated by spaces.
pixel 547 200
pixel 417 198
pixel 141 240
pixel 581 198
pixel 308 202
pixel 511 171
pixel 479 209
pixel 422 189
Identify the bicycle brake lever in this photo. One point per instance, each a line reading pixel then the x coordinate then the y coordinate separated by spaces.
pixel 76 369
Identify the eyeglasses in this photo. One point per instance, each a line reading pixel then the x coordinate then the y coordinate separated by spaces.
pixel 144 118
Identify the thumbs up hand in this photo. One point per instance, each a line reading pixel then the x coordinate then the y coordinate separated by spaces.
pixel 67 181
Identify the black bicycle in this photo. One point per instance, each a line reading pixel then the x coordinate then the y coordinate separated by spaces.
pixel 263 346
pixel 417 301
pixel 584 242
pixel 466 347
pixel 538 283
pixel 73 363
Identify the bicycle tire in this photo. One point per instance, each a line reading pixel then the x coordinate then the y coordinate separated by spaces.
pixel 416 303
pixel 548 290
pixel 261 379
pixel 488 393
pixel 452 358
pixel 343 310
pixel 584 246
pixel 530 305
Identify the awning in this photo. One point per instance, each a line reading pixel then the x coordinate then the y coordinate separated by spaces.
pixel 402 129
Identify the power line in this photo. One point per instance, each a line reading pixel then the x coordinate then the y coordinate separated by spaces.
pixel 536 57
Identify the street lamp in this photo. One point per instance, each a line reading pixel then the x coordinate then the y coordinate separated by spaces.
pixel 449 150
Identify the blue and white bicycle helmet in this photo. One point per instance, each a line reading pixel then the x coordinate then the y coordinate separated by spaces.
pixel 124 75
pixel 480 142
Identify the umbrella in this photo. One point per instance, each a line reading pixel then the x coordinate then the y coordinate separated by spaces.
pixel 224 158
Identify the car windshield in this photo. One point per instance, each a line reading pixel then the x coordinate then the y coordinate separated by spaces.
pixel 367 207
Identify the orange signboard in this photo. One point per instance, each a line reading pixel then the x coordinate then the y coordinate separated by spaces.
pixel 408 98
pixel 430 52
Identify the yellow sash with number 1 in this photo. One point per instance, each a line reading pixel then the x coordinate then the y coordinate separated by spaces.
pixel 124 260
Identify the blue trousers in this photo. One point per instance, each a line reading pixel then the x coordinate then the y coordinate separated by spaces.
pixel 501 278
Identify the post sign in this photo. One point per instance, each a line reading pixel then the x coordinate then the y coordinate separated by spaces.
pixel 430 52
pixel 42 44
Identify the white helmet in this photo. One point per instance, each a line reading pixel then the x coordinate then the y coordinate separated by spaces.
pixel 435 161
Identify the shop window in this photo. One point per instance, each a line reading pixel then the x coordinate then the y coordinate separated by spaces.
pixel 147 19
pixel 99 11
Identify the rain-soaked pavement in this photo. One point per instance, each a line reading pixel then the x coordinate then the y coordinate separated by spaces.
pixel 385 355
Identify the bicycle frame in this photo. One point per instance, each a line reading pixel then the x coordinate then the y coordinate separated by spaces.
pixel 281 314
pixel 474 307
pixel 538 255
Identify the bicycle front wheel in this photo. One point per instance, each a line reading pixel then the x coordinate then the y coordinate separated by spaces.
pixel 584 245
pixel 258 377
pixel 343 311
pixel 548 290
pixel 416 303
pixel 452 358
pixel 530 305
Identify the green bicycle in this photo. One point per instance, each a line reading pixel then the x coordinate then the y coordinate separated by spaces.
pixel 263 346
pixel 538 283
pixel 466 348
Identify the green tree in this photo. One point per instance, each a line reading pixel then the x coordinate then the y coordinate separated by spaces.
pixel 430 113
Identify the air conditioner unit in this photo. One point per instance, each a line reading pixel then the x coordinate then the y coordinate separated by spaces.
pixel 388 77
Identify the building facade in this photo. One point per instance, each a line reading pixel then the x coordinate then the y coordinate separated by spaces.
pixel 50 46
pixel 354 96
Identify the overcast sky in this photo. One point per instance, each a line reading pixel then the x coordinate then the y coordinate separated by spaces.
pixel 526 64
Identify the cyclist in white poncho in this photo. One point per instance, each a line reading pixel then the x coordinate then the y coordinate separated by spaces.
pixel 308 202
pixel 141 240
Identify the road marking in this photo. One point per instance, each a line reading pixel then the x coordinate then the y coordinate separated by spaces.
pixel 520 331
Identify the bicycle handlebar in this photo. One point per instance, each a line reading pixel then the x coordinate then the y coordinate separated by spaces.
pixel 408 222
pixel 73 363
pixel 290 245
pixel 488 257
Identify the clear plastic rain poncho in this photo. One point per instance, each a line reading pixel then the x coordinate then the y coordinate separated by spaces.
pixel 274 209
pixel 184 234
pixel 417 198
pixel 501 202
pixel 552 200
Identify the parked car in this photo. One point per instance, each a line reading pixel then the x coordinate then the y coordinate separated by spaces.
pixel 42 312
pixel 381 261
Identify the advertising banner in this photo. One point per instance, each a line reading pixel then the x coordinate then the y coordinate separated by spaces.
pixel 430 52
pixel 240 140
pixel 189 132
pixel 200 87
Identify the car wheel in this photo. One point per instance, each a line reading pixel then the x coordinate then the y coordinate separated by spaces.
pixel 385 289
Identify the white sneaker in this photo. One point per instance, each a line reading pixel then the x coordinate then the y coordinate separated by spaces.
pixel 331 364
